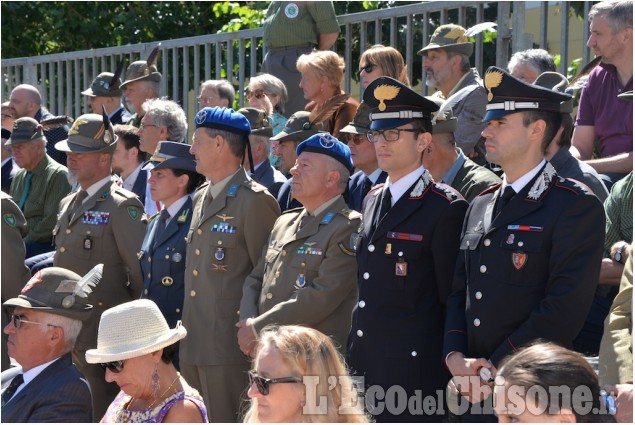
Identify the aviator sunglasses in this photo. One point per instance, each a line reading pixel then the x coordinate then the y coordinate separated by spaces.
pixel 263 383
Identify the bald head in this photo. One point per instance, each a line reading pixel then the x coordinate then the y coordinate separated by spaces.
pixel 25 101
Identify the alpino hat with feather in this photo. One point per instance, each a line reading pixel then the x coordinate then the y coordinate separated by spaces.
pixel 58 291
pixel 144 70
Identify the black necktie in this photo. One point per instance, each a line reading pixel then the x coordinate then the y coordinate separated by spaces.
pixel 367 186
pixel 163 219
pixel 12 388
pixel 508 194
pixel 384 205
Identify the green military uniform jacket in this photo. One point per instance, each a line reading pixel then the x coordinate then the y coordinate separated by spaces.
pixel 14 273
pixel 225 240
pixel 473 179
pixel 49 185
pixel 108 228
pixel 307 276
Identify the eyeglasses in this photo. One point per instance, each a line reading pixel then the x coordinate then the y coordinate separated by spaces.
pixel 368 68
pixel 18 319
pixel 356 139
pixel 390 135
pixel 258 94
pixel 206 99
pixel 114 367
pixel 263 383
pixel 143 126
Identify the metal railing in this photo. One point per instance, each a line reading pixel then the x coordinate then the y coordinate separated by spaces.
pixel 186 62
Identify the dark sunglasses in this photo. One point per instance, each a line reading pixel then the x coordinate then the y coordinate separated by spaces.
pixel 114 367
pixel 356 139
pixel 258 94
pixel 263 383
pixel 368 68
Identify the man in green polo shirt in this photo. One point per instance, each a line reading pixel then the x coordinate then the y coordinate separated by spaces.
pixel 39 186
pixel 291 30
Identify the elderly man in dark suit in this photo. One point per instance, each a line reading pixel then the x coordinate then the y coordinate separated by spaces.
pixel 261 132
pixel 531 248
pixel 408 242
pixel 46 318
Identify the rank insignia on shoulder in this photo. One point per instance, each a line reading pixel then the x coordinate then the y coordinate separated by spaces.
pixel 9 219
pixel 346 250
pixel 327 218
pixel 232 191
pixel 133 212
pixel 183 216
pixel 103 196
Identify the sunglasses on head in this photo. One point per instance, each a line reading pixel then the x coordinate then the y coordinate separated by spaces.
pixel 263 383
pixel 258 94
pixel 368 68
pixel 114 367
pixel 356 139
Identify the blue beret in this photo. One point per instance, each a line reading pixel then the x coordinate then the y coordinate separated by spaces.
pixel 326 144
pixel 173 155
pixel 223 119
pixel 508 95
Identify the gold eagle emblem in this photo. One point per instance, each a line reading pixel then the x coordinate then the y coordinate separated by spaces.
pixel 492 80
pixel 75 128
pixel 385 92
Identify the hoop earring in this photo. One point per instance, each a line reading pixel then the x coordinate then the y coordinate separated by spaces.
pixel 156 385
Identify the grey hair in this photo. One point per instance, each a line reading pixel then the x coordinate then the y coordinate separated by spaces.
pixel 71 328
pixel 235 141
pixel 538 59
pixel 224 88
pixel 465 60
pixel 262 139
pixel 167 113
pixel 273 85
pixel 334 165
pixel 155 86
pixel 618 14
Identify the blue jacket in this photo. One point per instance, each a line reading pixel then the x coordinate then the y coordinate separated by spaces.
pixel 162 259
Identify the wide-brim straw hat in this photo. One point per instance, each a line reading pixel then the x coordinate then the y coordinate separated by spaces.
pixel 131 330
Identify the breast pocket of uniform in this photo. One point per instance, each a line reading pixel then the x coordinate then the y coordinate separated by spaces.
pixel 222 246
pixel 468 246
pixel 523 257
pixel 91 241
pixel 305 267
pixel 270 257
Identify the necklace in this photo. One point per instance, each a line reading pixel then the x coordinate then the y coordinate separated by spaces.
pixel 161 397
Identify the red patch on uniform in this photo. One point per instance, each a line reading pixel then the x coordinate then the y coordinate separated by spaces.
pixel 519 260
pixel 36 279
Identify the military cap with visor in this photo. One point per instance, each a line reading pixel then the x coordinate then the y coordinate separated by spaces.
pixel 508 95
pixel 297 128
pixel 58 291
pixel 173 155
pixel 394 104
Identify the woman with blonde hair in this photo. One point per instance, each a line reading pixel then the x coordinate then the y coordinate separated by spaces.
pixel 322 72
pixel 380 60
pixel 299 376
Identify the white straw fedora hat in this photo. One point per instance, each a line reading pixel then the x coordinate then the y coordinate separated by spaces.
pixel 131 330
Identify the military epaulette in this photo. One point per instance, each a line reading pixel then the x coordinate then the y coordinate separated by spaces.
pixel 254 185
pixel 376 188
pixel 124 193
pixel 575 185
pixel 293 210
pixel 199 192
pixel 491 189
pixel 447 190
pixel 349 213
